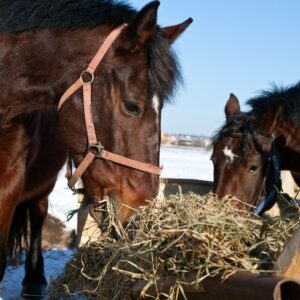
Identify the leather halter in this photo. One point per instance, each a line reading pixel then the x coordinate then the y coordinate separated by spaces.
pixel 95 148
pixel 270 199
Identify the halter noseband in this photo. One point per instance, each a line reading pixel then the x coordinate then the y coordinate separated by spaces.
pixel 95 148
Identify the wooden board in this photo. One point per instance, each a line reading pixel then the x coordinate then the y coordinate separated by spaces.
pixel 241 285
pixel 289 260
pixel 173 186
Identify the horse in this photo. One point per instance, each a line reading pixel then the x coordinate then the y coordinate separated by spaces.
pixel 108 121
pixel 251 148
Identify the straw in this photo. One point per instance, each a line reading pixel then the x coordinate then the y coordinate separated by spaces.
pixel 175 237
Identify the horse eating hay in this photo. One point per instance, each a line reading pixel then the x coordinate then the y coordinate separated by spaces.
pixel 45 46
pixel 252 147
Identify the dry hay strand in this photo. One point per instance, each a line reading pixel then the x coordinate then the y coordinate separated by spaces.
pixel 174 238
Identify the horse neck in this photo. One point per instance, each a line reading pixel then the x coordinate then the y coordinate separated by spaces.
pixel 288 159
pixel 290 132
pixel 40 66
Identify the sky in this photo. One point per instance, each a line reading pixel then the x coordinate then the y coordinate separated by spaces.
pixel 239 46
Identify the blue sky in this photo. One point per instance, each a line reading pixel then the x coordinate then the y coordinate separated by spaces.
pixel 239 46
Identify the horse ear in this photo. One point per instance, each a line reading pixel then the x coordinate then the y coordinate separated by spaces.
pixel 142 26
pixel 232 106
pixel 173 32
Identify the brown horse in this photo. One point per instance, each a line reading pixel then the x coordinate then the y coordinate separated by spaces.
pixel 44 47
pixel 251 148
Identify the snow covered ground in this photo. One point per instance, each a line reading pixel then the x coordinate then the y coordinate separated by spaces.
pixel 178 162
pixel 186 162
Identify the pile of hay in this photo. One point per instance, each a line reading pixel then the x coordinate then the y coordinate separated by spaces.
pixel 174 237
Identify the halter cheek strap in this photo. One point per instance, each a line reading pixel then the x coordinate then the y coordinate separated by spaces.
pixel 95 149
pixel 270 198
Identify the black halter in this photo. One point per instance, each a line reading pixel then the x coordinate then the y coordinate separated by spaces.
pixel 271 198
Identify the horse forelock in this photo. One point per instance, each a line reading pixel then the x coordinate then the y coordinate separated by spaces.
pixel 242 126
pixel 288 98
pixel 238 123
pixel 163 68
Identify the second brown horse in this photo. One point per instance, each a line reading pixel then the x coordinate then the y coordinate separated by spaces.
pixel 248 143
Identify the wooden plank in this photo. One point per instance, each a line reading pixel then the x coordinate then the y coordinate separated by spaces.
pixel 241 285
pixel 289 260
pixel 185 186
pixel 87 229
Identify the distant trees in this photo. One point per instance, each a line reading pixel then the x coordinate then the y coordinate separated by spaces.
pixel 186 140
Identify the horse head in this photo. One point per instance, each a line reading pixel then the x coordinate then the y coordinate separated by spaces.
pixel 241 157
pixel 132 82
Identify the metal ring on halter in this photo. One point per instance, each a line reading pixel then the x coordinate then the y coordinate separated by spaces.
pixel 92 77
pixel 96 149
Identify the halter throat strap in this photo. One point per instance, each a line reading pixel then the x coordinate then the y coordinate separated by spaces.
pixel 95 148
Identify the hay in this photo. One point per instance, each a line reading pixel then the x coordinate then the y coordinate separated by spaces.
pixel 176 237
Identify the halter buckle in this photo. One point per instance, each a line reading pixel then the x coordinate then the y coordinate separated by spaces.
pixel 96 149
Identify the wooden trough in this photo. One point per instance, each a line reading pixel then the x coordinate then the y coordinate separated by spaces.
pixel 242 285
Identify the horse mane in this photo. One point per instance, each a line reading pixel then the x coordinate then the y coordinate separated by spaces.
pixel 238 123
pixel 24 15
pixel 288 98
pixel 241 123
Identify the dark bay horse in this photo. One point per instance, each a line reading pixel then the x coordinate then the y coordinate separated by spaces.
pixel 44 47
pixel 251 148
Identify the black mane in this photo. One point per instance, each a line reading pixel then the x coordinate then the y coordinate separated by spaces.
pixel 288 98
pixel 24 15
pixel 238 123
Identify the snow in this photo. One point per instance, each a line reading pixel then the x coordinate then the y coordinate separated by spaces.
pixel 178 162
pixel 62 200
pixel 10 288
pixel 186 162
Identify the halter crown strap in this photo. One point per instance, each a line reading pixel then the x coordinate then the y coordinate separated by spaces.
pixel 93 64
pixel 96 150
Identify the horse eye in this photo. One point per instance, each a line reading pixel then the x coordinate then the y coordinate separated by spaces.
pixel 132 108
pixel 253 169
